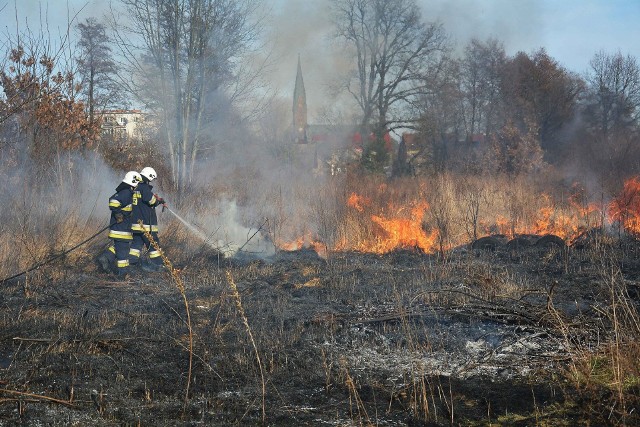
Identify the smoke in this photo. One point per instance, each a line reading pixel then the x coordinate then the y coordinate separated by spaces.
pixel 221 230
pixel 235 236
pixel 80 188
pixel 519 25
pixel 52 206
pixel 571 31
pixel 250 172
pixel 305 30
pixel 97 183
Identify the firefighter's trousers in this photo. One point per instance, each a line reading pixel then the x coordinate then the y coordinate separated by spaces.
pixel 121 249
pixel 139 242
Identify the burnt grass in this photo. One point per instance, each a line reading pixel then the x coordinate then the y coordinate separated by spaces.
pixel 475 337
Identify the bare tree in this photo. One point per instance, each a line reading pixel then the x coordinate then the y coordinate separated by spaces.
pixel 394 51
pixel 36 45
pixel 441 119
pixel 481 76
pixel 472 197
pixel 611 116
pixel 185 56
pixel 516 151
pixel 614 89
pixel 41 121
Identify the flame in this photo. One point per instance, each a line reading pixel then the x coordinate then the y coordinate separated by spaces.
pixel 393 231
pixel 585 210
pixel 502 225
pixel 358 202
pixel 390 220
pixel 550 220
pixel 405 232
pixel 566 222
pixel 626 207
pixel 307 241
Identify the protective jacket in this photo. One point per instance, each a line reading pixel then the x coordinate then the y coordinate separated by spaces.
pixel 144 204
pixel 121 203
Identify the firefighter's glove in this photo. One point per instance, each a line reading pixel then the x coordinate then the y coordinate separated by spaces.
pixel 119 217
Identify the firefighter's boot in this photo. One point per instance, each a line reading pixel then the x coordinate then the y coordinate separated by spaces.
pixel 106 260
pixel 123 273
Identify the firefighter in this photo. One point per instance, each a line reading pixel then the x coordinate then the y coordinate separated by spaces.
pixel 121 205
pixel 144 209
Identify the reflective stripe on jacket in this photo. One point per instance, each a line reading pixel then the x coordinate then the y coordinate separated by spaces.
pixel 144 209
pixel 121 202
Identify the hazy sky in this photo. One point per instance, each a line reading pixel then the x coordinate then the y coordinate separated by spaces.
pixel 571 31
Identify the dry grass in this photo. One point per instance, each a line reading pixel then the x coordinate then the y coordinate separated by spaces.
pixel 605 370
pixel 46 218
pixel 238 300
pixel 459 211
pixel 179 283
pixel 358 408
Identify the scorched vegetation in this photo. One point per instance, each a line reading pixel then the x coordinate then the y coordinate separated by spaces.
pixel 456 244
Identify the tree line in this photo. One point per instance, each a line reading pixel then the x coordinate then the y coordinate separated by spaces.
pixel 526 109
pixel 185 61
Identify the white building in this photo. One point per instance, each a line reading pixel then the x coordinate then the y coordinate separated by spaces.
pixel 123 124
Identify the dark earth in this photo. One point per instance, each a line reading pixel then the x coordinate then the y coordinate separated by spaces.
pixel 482 335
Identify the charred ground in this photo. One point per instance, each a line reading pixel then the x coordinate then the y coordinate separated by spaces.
pixel 483 335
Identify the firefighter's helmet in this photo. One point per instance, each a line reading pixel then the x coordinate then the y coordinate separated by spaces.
pixel 149 173
pixel 132 178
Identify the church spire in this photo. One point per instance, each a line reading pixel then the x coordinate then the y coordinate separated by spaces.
pixel 299 108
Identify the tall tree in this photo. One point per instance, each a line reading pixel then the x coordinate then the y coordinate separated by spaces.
pixel 482 69
pixel 611 113
pixel 186 66
pixel 441 123
pixel 539 92
pixel 614 94
pixel 514 151
pixel 394 51
pixel 97 68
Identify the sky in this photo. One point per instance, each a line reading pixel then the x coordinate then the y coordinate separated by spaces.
pixel 571 31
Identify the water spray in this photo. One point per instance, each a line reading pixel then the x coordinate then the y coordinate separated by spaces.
pixel 191 227
pixel 200 234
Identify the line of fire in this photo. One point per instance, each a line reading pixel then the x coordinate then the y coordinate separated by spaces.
pixel 573 220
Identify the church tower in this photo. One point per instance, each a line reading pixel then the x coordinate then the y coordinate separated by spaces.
pixel 299 109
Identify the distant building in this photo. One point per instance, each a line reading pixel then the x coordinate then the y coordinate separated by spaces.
pixel 325 146
pixel 122 124
pixel 299 109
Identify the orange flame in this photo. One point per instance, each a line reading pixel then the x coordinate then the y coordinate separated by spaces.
pixel 305 242
pixel 381 229
pixel 405 233
pixel 626 207
pixel 393 232
pixel 551 220
pixel 566 222
pixel 358 202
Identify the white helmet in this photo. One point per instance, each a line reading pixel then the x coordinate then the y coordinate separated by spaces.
pixel 132 178
pixel 149 173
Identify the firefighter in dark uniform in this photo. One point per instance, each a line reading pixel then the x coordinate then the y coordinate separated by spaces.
pixel 121 206
pixel 144 210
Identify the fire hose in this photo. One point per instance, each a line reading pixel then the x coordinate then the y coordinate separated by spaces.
pixel 40 264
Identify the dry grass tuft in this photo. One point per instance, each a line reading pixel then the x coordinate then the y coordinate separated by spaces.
pixel 177 280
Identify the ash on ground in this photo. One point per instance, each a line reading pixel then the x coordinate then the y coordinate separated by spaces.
pixel 354 339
